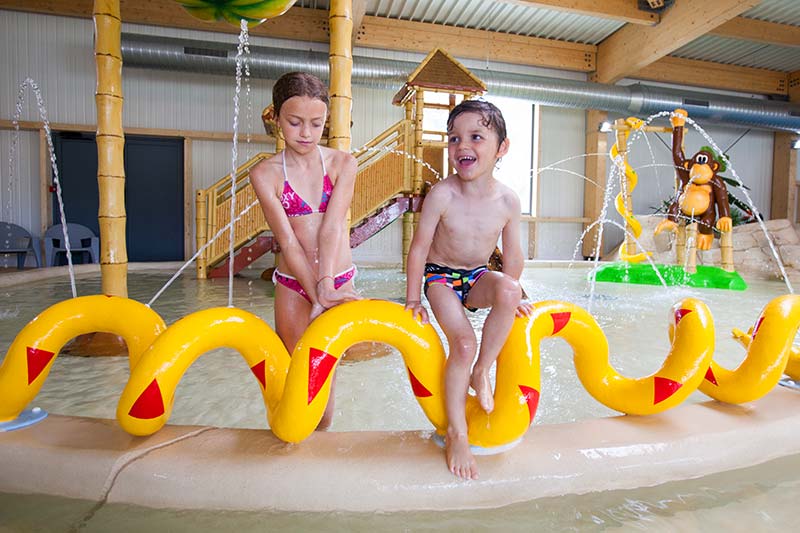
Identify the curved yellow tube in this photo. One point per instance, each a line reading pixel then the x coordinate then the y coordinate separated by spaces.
pixel 692 333
pixel 619 202
pixel 769 349
pixel 28 360
pixel 295 389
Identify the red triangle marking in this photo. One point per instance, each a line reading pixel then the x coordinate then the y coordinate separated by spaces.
pixel 664 388
pixel 711 377
pixel 680 313
pixel 37 362
pixel 418 388
pixel 150 404
pixel 560 320
pixel 755 329
pixel 320 365
pixel 259 369
pixel 531 396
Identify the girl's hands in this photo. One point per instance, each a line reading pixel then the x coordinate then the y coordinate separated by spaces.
pixel 329 296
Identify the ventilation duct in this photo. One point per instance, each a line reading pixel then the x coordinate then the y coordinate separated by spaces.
pixel 220 58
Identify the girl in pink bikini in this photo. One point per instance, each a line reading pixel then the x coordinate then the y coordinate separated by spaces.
pixel 305 192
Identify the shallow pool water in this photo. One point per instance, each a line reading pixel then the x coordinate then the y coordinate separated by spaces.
pixel 219 389
pixel 372 395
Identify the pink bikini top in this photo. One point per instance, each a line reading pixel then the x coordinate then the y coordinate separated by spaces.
pixel 293 205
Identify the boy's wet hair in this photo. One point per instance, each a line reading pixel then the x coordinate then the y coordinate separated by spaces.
pixel 491 117
pixel 297 84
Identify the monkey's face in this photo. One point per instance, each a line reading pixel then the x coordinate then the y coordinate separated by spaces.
pixel 702 168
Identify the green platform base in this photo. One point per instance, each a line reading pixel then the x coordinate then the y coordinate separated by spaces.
pixel 706 277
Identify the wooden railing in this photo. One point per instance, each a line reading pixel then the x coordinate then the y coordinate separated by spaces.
pixel 384 172
pixel 213 212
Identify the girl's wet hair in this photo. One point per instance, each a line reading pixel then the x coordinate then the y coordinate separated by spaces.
pixel 297 84
pixel 491 117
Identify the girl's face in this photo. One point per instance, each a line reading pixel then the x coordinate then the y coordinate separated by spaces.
pixel 473 147
pixel 302 120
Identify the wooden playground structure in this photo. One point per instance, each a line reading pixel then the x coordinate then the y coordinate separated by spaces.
pixel 394 171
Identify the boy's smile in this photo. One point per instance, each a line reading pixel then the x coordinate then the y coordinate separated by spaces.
pixel 473 147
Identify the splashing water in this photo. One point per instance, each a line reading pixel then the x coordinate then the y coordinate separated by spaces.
pixel 244 47
pixel 30 83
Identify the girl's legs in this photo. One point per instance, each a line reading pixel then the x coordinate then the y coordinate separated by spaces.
pixel 292 313
pixel 450 315
pixel 502 293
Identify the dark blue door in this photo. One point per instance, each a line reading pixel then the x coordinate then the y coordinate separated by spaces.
pixel 153 191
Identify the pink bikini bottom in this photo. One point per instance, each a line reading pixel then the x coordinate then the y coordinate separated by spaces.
pixel 291 282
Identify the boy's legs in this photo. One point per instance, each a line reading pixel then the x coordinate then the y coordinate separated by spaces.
pixel 292 313
pixel 461 338
pixel 502 293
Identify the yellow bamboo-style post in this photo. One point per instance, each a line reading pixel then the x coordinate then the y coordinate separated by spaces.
pixel 408 128
pixel 341 67
pixel 691 248
pixel 726 250
pixel 201 225
pixel 419 96
pixel 408 234
pixel 680 244
pixel 629 244
pixel 110 144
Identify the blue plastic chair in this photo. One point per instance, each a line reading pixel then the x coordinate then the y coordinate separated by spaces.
pixel 81 239
pixel 16 240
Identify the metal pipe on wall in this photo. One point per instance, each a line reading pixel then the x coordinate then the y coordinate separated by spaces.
pixel 168 53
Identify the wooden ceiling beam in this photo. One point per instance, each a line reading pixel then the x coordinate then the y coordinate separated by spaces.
pixel 759 31
pixel 359 10
pixel 715 76
pixel 298 23
pixel 794 86
pixel 632 48
pixel 392 34
pixel 374 32
pixel 621 10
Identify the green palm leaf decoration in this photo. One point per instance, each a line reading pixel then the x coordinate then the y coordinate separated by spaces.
pixel 253 11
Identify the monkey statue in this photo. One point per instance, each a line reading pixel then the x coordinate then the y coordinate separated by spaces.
pixel 701 194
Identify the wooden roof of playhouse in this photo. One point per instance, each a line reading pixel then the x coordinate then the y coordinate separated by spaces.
pixel 441 72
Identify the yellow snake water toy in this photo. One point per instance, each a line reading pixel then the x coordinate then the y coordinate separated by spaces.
pixel 770 354
pixel 631 179
pixel 296 389
pixel 30 356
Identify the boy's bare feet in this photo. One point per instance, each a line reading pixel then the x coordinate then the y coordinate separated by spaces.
pixel 460 460
pixel 483 388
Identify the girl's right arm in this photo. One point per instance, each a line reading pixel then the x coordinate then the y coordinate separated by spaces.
pixel 265 185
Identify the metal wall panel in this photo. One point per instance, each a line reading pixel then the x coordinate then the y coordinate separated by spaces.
pixel 562 142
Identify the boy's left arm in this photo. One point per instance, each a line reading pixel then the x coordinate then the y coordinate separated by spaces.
pixel 513 258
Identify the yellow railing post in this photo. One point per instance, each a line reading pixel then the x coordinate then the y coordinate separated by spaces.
pixel 201 229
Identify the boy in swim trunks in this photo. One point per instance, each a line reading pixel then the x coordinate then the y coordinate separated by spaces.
pixel 462 218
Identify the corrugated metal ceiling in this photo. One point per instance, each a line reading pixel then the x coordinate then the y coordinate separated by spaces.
pixel 516 18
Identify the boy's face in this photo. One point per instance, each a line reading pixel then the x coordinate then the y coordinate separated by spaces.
pixel 472 147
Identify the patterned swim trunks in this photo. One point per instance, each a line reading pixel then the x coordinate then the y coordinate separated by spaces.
pixel 459 279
